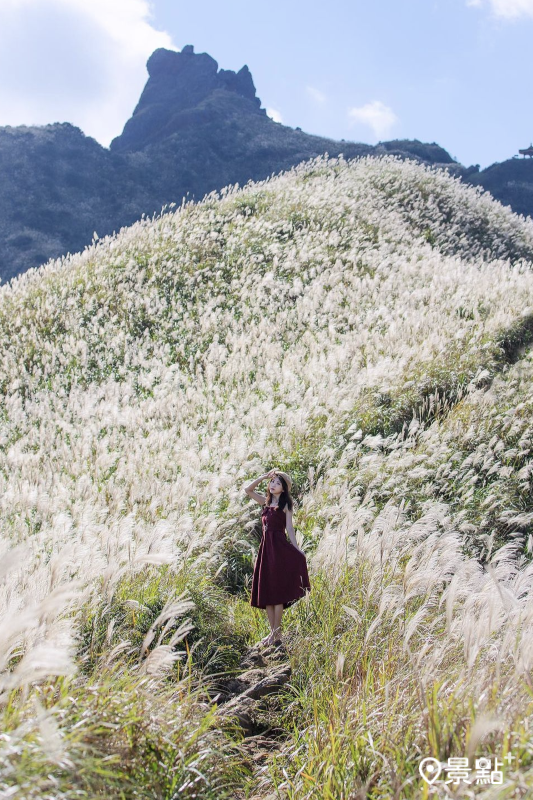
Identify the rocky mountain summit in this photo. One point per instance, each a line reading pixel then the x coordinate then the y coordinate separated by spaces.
pixel 179 94
pixel 195 129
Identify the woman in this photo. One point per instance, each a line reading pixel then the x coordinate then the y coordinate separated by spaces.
pixel 280 570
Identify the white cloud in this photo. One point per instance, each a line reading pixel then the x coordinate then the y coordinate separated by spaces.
pixel 316 94
pixel 375 114
pixel 273 114
pixel 509 9
pixel 75 61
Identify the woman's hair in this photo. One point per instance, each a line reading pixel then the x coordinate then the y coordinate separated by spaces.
pixel 285 499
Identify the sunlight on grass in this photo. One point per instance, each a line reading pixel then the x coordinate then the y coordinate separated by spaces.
pixel 366 326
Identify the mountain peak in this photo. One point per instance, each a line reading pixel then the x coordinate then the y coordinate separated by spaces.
pixel 178 82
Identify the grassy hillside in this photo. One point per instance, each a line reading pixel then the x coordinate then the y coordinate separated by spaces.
pixel 366 326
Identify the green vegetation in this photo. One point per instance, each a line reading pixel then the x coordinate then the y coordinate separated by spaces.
pixel 365 326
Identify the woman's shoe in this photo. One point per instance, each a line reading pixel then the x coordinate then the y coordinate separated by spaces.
pixel 265 641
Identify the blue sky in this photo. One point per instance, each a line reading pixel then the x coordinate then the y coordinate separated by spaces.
pixel 455 72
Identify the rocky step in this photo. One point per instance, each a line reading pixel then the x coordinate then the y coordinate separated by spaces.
pixel 267 669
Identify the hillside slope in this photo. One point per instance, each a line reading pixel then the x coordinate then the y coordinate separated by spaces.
pixel 196 128
pixel 365 325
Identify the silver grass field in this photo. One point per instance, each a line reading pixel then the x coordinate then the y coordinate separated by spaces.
pixel 366 326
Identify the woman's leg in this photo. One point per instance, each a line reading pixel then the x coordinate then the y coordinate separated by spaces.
pixel 274 617
pixel 271 619
pixel 276 627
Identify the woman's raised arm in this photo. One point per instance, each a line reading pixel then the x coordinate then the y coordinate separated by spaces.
pixel 259 498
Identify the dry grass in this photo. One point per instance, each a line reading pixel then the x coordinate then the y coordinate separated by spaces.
pixel 355 324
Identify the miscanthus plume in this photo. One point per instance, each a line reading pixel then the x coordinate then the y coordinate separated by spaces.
pixel 360 318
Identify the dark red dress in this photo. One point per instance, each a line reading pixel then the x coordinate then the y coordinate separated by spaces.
pixel 280 570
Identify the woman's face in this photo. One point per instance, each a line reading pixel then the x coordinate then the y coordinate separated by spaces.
pixel 276 487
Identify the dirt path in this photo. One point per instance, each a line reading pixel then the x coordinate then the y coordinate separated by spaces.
pixel 265 671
